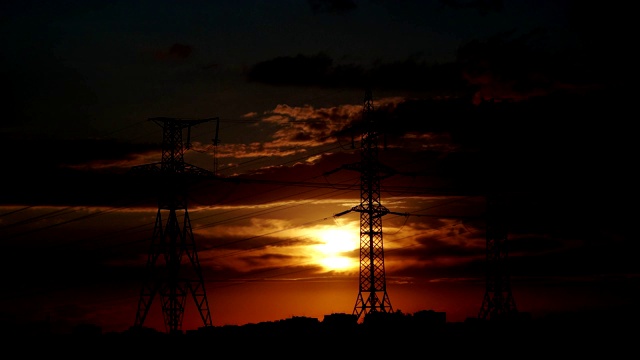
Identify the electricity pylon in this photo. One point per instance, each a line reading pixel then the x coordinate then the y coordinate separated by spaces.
pixel 372 294
pixel 498 302
pixel 173 268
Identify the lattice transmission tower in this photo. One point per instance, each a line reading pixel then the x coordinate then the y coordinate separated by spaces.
pixel 498 302
pixel 372 294
pixel 173 269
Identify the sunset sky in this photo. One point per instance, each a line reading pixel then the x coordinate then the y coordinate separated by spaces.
pixel 531 99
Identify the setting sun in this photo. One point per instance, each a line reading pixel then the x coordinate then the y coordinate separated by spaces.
pixel 333 252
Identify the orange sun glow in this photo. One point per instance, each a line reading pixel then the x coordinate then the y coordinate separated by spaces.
pixel 336 244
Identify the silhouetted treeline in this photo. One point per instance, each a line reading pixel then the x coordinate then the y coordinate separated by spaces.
pixel 386 333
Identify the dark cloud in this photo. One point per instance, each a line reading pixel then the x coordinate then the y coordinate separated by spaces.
pixel 59 155
pixel 70 172
pixel 415 75
pixel 434 247
pixel 320 70
pixel 483 6
pixel 286 70
pixel 511 65
pixel 331 6
pixel 177 51
pixel 506 66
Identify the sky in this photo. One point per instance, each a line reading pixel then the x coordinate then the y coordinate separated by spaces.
pixel 531 100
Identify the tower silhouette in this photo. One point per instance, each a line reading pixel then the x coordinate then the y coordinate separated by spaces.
pixel 372 294
pixel 498 302
pixel 173 269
